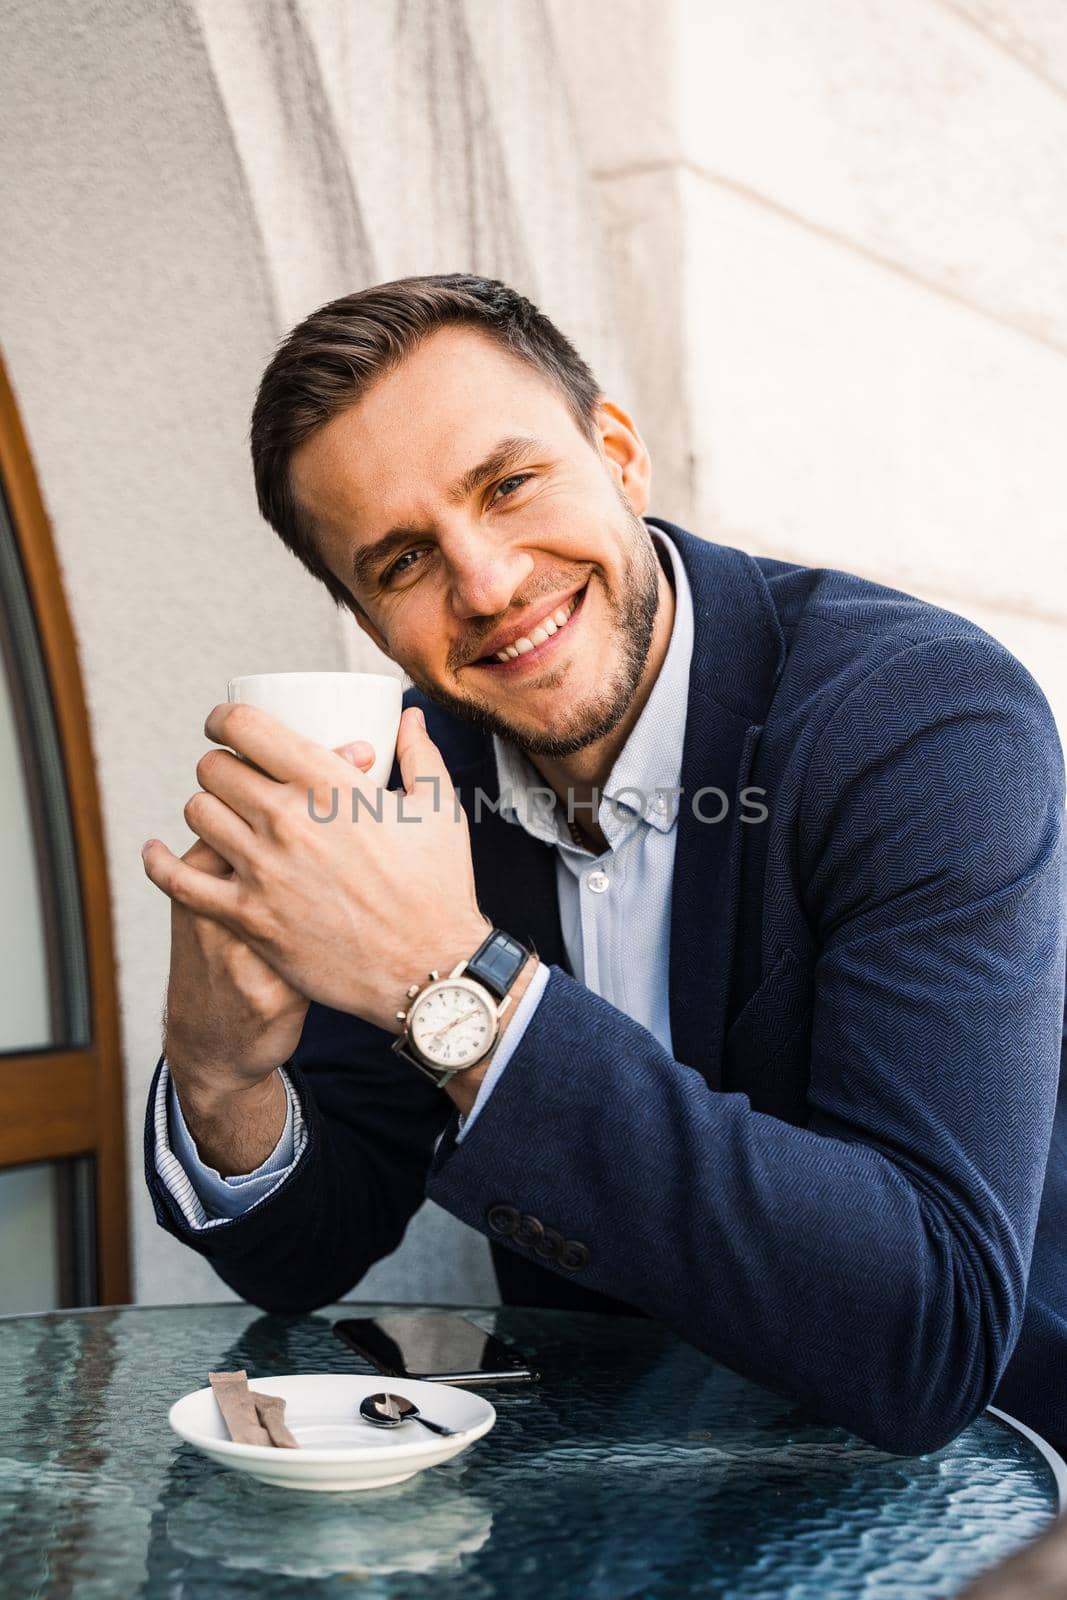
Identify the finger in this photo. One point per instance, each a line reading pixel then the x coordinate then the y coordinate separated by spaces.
pixel 360 754
pixel 238 784
pixel 273 747
pixel 418 756
pixel 229 835
pixel 200 854
pixel 197 891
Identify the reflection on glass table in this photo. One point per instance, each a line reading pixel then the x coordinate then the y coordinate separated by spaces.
pixel 636 1467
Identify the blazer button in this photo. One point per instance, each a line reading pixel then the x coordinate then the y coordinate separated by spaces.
pixel 503 1219
pixel 550 1244
pixel 574 1255
pixel 529 1231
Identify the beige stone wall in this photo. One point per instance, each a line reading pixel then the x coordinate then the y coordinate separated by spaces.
pixel 857 294
pixel 135 315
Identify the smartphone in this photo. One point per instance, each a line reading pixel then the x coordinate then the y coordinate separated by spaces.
pixel 436 1346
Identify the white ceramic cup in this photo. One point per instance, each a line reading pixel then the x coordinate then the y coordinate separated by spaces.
pixel 332 708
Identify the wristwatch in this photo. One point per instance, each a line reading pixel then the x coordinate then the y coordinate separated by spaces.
pixel 452 1023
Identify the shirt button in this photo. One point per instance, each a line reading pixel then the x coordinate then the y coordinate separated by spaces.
pixel 660 803
pixel 598 881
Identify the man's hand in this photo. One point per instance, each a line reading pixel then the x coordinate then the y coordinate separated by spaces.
pixel 228 1013
pixel 346 912
pixel 231 1021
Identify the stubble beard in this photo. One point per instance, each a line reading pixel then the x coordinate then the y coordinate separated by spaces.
pixel 633 618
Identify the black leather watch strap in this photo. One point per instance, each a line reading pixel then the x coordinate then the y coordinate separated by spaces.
pixel 497 962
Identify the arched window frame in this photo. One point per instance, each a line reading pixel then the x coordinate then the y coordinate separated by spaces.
pixel 64 1103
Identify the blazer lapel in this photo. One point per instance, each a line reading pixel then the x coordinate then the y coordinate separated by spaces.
pixel 738 652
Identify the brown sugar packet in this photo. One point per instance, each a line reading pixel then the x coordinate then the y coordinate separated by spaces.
pixel 270 1409
pixel 236 1402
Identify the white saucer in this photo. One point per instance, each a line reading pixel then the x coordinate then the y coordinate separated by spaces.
pixel 338 1450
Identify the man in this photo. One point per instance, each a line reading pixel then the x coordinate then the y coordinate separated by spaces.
pixel 765 860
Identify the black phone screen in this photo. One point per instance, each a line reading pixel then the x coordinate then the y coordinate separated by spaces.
pixel 437 1346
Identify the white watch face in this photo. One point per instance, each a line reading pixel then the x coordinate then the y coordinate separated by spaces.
pixel 453 1025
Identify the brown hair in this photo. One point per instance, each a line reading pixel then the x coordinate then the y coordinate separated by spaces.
pixel 335 354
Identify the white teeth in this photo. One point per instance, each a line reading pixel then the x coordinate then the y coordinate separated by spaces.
pixel 543 631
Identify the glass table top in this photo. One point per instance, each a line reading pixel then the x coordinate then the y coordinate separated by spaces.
pixel 636 1467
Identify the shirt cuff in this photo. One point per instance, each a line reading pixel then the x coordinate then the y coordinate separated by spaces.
pixel 204 1197
pixel 508 1044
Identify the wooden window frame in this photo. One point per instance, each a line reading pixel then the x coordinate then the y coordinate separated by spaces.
pixel 58 1104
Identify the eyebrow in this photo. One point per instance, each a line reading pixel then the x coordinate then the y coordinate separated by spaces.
pixel 509 452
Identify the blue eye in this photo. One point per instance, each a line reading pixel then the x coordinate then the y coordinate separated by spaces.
pixel 396 569
pixel 516 477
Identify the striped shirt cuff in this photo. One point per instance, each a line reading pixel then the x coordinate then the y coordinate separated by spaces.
pixel 204 1197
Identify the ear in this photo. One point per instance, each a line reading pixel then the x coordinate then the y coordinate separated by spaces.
pixel 626 455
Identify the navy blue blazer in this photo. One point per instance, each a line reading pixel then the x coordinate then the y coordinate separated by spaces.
pixel 837 1184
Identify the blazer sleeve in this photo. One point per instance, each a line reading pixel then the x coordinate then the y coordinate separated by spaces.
pixel 872 1263
pixel 371 1123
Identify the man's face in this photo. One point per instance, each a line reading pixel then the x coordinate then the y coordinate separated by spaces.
pixel 444 568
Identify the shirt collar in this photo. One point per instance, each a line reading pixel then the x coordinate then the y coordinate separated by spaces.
pixel 650 760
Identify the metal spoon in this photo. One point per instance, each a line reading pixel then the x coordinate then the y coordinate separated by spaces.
pixel 390 1410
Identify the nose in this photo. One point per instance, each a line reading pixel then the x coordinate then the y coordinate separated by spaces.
pixel 484 572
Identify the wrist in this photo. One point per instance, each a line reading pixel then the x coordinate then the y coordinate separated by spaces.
pixel 463 1089
pixel 235 1130
pixel 208 1096
pixel 447 955
pixel 464 945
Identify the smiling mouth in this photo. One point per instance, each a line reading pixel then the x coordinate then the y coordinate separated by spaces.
pixel 540 639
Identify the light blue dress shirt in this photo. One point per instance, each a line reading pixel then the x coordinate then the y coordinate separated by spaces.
pixel 615 914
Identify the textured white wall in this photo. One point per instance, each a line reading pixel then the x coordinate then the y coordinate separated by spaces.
pixel 136 316
pixel 856 284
